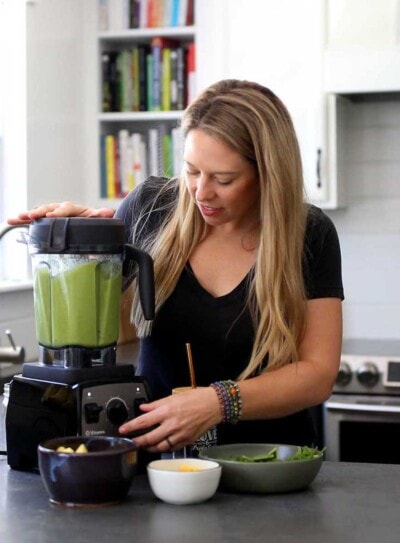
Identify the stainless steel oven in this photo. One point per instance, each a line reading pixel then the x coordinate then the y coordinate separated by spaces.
pixel 361 419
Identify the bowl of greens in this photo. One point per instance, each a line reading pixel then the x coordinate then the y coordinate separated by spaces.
pixel 265 468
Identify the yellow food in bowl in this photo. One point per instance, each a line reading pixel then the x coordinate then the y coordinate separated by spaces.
pixel 186 467
pixel 81 449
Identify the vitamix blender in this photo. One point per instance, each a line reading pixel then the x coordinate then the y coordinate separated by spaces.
pixel 77 387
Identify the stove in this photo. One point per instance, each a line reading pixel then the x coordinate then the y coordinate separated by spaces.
pixel 362 416
pixel 369 367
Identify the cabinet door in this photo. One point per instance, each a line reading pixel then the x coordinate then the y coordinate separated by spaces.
pixel 362 46
pixel 280 45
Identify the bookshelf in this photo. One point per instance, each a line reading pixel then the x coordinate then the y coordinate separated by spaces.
pixel 138 111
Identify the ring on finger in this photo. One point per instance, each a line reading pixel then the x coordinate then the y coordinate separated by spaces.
pixel 167 439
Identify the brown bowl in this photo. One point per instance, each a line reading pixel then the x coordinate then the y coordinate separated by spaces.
pixel 102 476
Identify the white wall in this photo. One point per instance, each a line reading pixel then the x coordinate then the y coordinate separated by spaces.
pixel 56 132
pixel 369 227
pixel 55 104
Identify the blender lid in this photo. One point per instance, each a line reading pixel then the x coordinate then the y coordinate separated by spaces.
pixel 76 235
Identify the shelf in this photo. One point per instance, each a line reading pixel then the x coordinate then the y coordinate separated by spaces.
pixel 135 116
pixel 145 34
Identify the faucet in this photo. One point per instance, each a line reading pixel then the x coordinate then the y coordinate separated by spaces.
pixel 4 228
pixel 13 354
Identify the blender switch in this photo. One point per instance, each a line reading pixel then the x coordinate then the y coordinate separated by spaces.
pixel 117 412
pixel 92 412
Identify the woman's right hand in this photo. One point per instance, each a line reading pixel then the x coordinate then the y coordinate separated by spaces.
pixel 64 209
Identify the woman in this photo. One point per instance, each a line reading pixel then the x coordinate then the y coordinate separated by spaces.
pixel 246 272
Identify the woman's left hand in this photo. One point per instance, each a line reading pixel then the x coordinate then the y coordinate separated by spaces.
pixel 175 421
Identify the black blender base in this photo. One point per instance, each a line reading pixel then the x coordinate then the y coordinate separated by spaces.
pixel 69 376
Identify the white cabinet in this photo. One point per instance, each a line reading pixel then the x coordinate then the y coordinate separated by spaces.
pixel 280 45
pixel 362 46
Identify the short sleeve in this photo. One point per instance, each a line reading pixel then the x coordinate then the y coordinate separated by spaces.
pixel 322 263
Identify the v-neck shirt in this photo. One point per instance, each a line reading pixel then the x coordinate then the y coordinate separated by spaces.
pixel 220 328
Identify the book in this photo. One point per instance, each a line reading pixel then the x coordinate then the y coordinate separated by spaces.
pixel 157 45
pixel 149 80
pixel 143 14
pixel 124 161
pixel 110 166
pixel 118 18
pixel 182 12
pixel 174 79
pixel 152 152
pixel 167 155
pixel 167 20
pixel 103 167
pixel 191 73
pixel 134 14
pixel 166 79
pixel 135 75
pixel 181 78
pixel 143 51
pixel 190 13
pixel 110 82
pixel 177 151
pixel 175 13
pixel 126 90
pixel 137 157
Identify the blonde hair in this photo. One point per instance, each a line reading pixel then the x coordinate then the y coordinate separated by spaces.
pixel 254 122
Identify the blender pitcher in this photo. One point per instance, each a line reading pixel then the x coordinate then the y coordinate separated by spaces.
pixel 77 270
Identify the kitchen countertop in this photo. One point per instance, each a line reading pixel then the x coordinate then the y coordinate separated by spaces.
pixel 346 502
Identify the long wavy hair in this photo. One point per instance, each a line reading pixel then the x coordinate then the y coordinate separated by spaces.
pixel 254 122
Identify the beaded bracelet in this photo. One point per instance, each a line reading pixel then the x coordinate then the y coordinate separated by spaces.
pixel 230 400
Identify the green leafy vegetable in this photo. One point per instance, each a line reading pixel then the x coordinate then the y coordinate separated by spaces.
pixel 302 453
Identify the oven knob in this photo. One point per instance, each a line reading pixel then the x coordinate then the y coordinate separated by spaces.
pixel 368 374
pixel 344 374
pixel 117 412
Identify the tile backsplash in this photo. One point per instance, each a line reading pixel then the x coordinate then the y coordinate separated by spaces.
pixel 369 227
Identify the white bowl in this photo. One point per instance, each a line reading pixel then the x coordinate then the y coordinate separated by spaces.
pixel 170 481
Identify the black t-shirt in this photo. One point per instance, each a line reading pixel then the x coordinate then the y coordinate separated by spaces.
pixel 220 329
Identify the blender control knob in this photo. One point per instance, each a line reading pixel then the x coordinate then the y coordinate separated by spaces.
pixel 116 411
pixel 368 374
pixel 344 374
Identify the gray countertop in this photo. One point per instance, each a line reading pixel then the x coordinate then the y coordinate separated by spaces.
pixel 356 503
pixel 346 503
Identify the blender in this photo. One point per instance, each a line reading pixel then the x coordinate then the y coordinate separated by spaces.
pixel 77 387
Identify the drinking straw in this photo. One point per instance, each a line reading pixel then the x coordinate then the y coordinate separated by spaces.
pixel 191 367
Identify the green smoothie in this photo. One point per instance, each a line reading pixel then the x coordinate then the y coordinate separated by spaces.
pixel 79 306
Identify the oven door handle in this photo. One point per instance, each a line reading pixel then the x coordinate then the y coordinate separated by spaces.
pixel 374 408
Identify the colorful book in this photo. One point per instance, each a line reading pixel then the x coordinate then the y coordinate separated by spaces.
pixel 134 15
pixel 174 79
pixel 152 152
pixel 135 79
pixel 143 51
pixel 181 79
pixel 191 73
pixel 110 166
pixel 124 161
pixel 149 79
pixel 103 167
pixel 166 79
